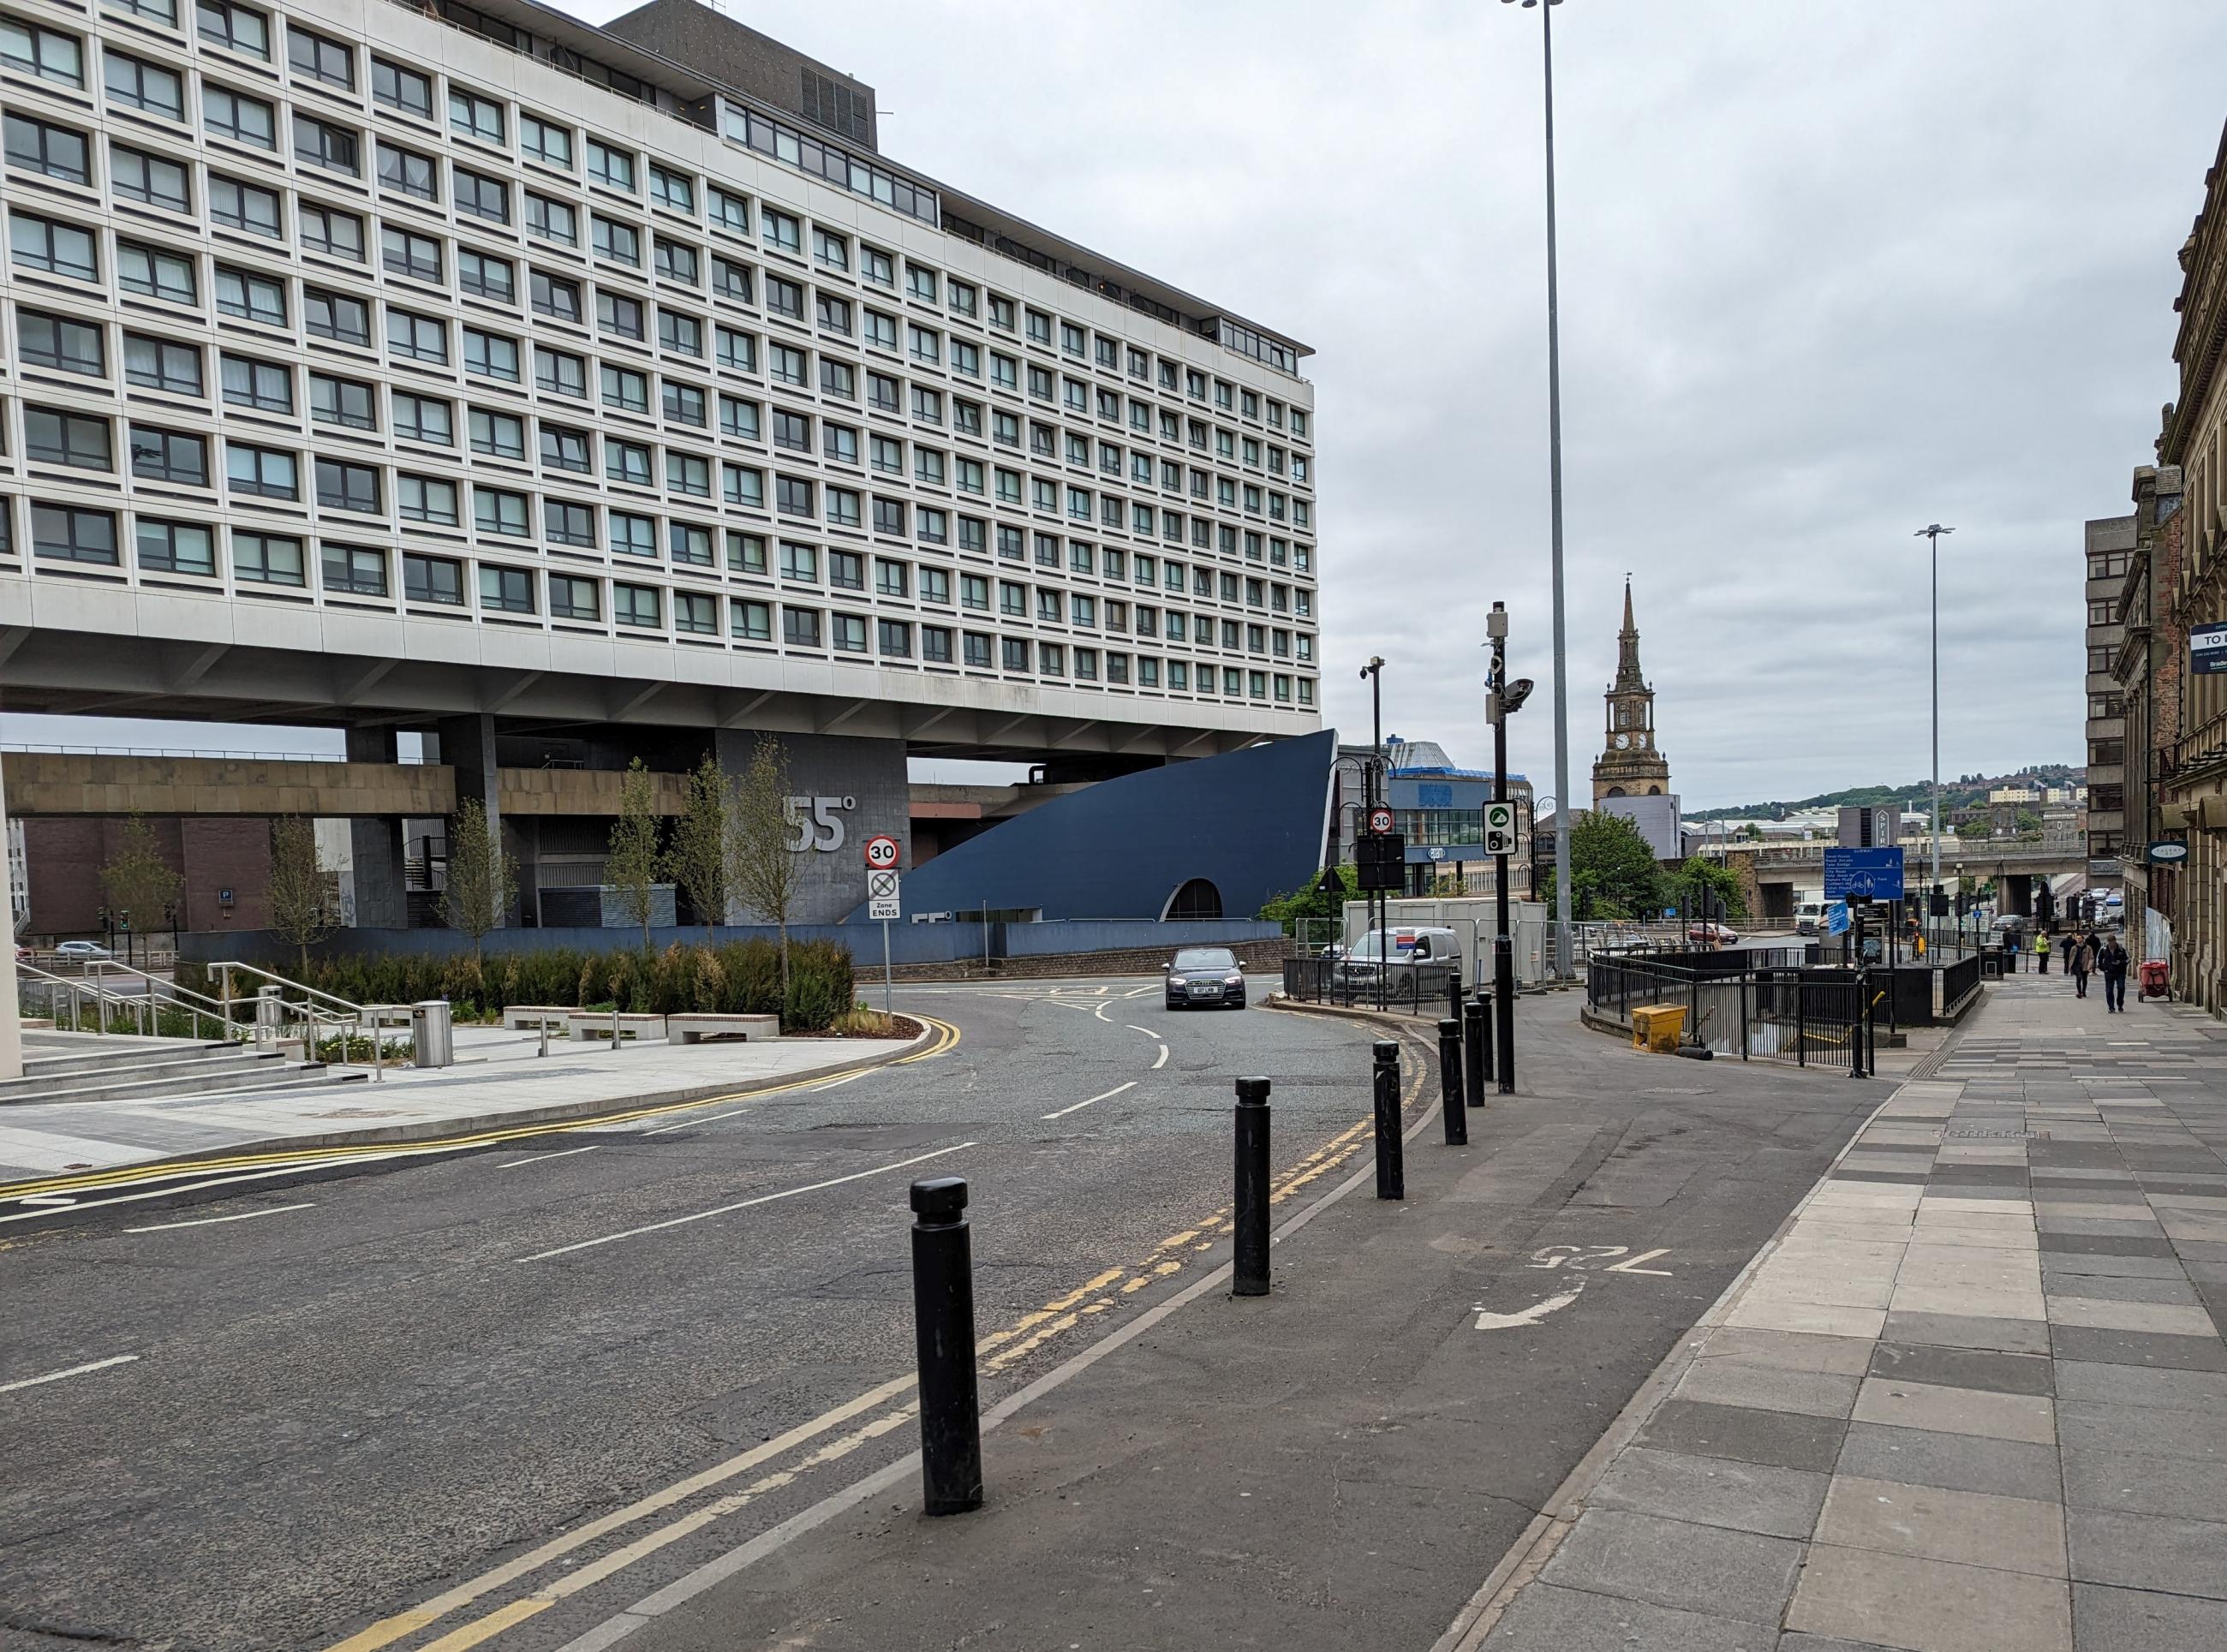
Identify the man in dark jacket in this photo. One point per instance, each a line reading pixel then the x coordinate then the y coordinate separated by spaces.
pixel 2113 962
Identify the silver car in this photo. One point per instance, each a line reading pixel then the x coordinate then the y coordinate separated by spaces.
pixel 1205 975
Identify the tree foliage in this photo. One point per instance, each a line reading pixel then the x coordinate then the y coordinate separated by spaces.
pixel 636 859
pixel 1310 901
pixel 699 857
pixel 481 883
pixel 301 905
pixel 1728 901
pixel 138 881
pixel 1613 873
pixel 762 870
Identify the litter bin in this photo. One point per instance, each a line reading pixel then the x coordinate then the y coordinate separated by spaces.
pixel 432 1034
pixel 1656 1026
pixel 2155 981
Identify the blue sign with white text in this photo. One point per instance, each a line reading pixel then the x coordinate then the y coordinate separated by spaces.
pixel 1836 917
pixel 1874 874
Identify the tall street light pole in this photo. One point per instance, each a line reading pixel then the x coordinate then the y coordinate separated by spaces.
pixel 1562 964
pixel 1931 534
pixel 1374 672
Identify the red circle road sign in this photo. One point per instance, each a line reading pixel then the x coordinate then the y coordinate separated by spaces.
pixel 1380 820
pixel 881 853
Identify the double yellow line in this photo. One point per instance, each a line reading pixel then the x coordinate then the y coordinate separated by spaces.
pixel 944 1036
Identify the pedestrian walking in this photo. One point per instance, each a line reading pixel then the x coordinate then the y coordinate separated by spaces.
pixel 2079 962
pixel 2112 960
pixel 2041 953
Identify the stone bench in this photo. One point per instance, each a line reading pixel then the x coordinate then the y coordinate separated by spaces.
pixel 695 1027
pixel 597 1024
pixel 532 1016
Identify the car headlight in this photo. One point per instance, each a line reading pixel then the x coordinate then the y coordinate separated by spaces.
pixel 1233 980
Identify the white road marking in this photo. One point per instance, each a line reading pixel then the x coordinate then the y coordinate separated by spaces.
pixel 1148 1032
pixel 1530 1315
pixel 745 1204
pixel 74 1370
pixel 536 1158
pixel 1065 1003
pixel 1101 1013
pixel 1161 1060
pixel 1632 1266
pixel 210 1222
pixel 51 1200
pixel 847 1078
pixel 1094 1100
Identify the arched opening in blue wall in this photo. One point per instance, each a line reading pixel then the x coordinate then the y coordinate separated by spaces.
pixel 1196 899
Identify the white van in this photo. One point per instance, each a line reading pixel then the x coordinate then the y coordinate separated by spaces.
pixel 1404 944
pixel 1808 917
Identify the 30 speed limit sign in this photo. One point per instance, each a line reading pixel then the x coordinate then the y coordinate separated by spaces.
pixel 881 853
pixel 1379 820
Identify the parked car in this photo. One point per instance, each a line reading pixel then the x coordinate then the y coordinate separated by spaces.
pixel 1716 933
pixel 1205 975
pixel 82 950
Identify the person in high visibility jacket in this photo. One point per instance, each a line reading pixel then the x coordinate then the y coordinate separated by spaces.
pixel 2041 953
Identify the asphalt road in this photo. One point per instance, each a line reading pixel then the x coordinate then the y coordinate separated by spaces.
pixel 311 1407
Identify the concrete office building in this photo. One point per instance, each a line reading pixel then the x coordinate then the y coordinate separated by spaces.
pixel 470 370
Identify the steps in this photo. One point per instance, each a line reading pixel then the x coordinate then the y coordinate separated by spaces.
pixel 87 1067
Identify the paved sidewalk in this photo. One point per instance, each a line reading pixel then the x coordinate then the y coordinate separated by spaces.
pixel 499 1079
pixel 1974 1400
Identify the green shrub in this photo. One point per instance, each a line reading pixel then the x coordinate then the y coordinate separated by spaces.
pixel 736 978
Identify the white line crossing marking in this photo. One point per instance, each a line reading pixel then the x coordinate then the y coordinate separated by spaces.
pixel 745 1204
pixel 211 1221
pixel 538 1158
pixel 1161 1060
pixel 1632 1266
pixel 74 1370
pixel 1148 1032
pixel 1094 1100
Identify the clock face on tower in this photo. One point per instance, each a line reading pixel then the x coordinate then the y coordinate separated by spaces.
pixel 1621 741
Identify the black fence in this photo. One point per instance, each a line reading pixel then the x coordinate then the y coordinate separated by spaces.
pixel 1426 989
pixel 1787 1012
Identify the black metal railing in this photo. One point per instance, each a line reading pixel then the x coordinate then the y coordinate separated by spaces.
pixel 1416 989
pixel 1789 1012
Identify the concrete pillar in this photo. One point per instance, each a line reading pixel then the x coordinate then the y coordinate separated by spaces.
pixel 381 897
pixel 11 1019
pixel 467 747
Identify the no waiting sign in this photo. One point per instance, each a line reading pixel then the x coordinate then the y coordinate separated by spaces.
pixel 881 897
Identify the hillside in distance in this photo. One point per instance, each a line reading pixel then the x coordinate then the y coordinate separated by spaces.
pixel 1961 792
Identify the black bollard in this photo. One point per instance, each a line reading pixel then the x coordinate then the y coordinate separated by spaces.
pixel 1450 1083
pixel 1391 1169
pixel 1453 990
pixel 1250 1276
pixel 1476 1047
pixel 1863 1021
pixel 943 1326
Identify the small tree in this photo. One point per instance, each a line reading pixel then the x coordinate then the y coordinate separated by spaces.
pixel 138 881
pixel 1720 883
pixel 301 908
pixel 1613 872
pixel 699 844
pixel 761 869
pixel 635 861
pixel 480 882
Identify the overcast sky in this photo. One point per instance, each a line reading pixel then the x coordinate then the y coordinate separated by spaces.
pixel 1829 272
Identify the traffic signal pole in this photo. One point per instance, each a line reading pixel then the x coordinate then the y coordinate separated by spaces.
pixel 1503 951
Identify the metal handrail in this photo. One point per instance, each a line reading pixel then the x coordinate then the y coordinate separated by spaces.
pixel 135 1008
pixel 224 975
pixel 159 989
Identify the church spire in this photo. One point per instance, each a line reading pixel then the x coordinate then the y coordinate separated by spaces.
pixel 1627 650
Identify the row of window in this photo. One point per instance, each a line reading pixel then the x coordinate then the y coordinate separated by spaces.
pixel 90 535
pixel 238 116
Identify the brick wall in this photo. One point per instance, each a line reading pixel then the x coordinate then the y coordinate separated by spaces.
pixel 64 855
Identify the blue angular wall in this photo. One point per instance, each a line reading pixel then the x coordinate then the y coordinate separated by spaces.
pixel 1251 823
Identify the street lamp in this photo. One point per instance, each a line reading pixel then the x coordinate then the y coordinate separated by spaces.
pixel 1931 534
pixel 1502 698
pixel 1554 473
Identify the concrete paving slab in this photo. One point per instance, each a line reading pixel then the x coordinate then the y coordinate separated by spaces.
pixel 1547 1619
pixel 1970 1527
pixel 1778 1438
pixel 1713 1491
pixel 2134 1384
pixel 1929 1605
pixel 2183 1488
pixel 1962 1368
pixel 2181 1557
pixel 2133 1620
pixel 1731 1382
pixel 2137 1348
pixel 1741 1575
pixel 1956 1462
pixel 1901 1404
pixel 1794 1351
pixel 1970 1331
pixel 2167 1318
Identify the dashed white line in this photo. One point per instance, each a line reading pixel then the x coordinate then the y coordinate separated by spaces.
pixel 1161 1060
pixel 539 1158
pixel 744 1204
pixel 211 1221
pixel 74 1370
pixel 1148 1032
pixel 1094 1100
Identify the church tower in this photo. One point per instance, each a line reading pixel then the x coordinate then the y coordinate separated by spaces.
pixel 1630 765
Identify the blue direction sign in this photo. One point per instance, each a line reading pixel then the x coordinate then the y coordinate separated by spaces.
pixel 1873 873
pixel 1836 917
